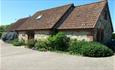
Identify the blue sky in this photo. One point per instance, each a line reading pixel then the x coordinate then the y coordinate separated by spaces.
pixel 12 10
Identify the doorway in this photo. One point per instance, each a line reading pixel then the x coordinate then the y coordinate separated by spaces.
pixel 30 35
pixel 100 35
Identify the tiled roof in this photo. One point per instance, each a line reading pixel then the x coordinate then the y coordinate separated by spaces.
pixel 84 16
pixel 45 19
pixel 17 24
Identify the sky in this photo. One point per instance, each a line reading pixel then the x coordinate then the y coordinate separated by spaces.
pixel 12 10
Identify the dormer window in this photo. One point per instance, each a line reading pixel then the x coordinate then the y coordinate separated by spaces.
pixel 38 17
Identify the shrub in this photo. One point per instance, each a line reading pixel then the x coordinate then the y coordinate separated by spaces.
pixel 75 46
pixel 0 34
pixel 92 49
pixel 30 43
pixel 3 29
pixel 113 36
pixel 59 41
pixel 16 42
pixel 95 49
pixel 42 45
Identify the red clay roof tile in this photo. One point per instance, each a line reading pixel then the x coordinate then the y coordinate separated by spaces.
pixel 17 24
pixel 84 16
pixel 47 18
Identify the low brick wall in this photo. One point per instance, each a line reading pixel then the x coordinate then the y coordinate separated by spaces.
pixel 38 35
pixel 79 35
pixel 41 35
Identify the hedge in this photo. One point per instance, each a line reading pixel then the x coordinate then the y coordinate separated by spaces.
pixel 92 49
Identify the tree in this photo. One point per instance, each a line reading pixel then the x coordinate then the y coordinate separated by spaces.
pixel 113 36
pixel 3 29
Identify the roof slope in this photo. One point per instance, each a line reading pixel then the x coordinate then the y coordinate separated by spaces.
pixel 17 24
pixel 45 19
pixel 84 16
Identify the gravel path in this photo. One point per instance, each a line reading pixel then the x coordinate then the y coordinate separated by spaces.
pixel 16 58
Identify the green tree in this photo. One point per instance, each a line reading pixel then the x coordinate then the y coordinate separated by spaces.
pixel 113 36
pixel 59 41
pixel 3 29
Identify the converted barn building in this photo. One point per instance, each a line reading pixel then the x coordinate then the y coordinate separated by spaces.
pixel 90 22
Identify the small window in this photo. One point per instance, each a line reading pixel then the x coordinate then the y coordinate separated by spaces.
pixel 39 17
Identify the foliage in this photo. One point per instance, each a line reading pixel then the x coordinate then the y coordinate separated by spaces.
pixel 42 45
pixel 92 49
pixel 3 29
pixel 59 41
pixel 16 42
pixel 1 34
pixel 97 50
pixel 75 46
pixel 113 36
pixel 30 43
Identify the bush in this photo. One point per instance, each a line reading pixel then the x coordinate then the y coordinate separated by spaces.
pixel 1 34
pixel 42 45
pixel 96 50
pixel 92 49
pixel 16 42
pixel 75 46
pixel 113 36
pixel 59 41
pixel 30 43
pixel 3 29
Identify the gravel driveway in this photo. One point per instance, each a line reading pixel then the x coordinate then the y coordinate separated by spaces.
pixel 16 58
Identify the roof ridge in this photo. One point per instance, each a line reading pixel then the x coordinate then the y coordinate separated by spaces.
pixel 14 26
pixel 89 3
pixel 56 7
pixel 23 18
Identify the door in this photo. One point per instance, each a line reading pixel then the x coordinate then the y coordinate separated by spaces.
pixel 100 35
pixel 30 35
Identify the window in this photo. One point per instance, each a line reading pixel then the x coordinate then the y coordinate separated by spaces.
pixel 39 17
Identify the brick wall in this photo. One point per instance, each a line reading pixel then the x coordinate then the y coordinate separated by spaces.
pixel 79 35
pixel 22 36
pixel 105 24
pixel 41 35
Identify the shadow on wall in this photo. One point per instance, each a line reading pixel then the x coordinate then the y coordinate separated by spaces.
pixel 111 44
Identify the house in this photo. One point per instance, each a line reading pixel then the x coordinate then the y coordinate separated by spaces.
pixel 90 22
